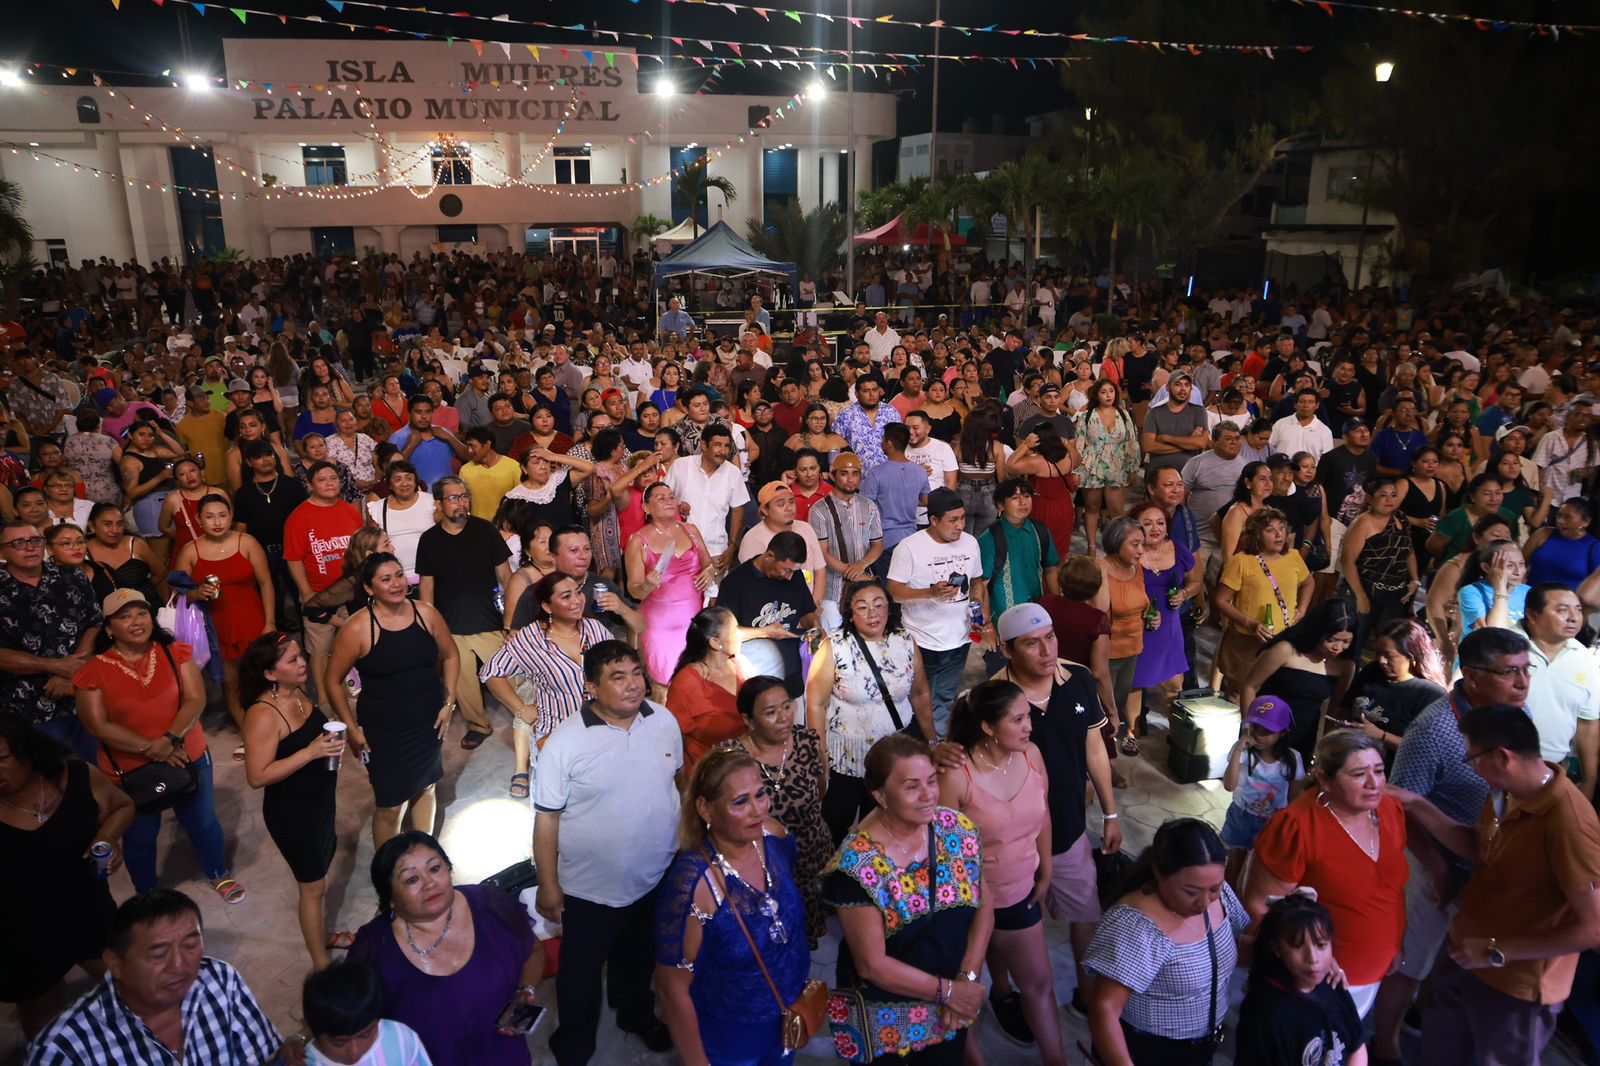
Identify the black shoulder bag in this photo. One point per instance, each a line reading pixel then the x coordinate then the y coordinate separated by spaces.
pixel 900 724
pixel 158 786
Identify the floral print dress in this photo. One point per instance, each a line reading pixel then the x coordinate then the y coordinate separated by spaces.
pixel 1110 456
pixel 857 716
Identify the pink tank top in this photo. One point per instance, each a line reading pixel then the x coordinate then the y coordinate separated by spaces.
pixel 1009 831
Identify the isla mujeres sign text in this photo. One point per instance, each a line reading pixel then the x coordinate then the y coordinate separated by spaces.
pixel 395 90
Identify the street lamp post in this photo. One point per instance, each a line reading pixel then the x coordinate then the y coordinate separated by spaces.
pixel 850 147
pixel 1381 74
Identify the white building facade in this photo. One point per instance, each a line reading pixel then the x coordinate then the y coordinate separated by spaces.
pixel 407 147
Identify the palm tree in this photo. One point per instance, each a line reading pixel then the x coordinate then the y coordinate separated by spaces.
pixel 16 242
pixel 937 206
pixel 647 226
pixel 874 207
pixel 812 240
pixel 1134 201
pixel 694 184
pixel 1020 188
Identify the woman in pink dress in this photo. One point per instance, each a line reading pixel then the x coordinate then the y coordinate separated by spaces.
pixel 669 570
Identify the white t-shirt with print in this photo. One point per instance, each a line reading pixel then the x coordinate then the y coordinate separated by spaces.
pixel 921 562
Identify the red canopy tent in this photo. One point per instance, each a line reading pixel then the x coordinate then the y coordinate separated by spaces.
pixel 897 232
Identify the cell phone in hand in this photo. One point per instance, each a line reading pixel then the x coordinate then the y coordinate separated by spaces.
pixel 519 1018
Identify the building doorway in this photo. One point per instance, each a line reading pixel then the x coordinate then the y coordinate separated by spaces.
pixel 577 247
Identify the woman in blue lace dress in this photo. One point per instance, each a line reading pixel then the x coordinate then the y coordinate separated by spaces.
pixel 719 1006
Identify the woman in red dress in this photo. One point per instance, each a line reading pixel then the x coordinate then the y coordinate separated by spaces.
pixel 704 694
pixel 1048 461
pixel 240 600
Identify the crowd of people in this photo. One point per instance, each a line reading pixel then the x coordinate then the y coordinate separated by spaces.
pixel 726 594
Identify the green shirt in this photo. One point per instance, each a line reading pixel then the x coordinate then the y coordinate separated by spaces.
pixel 1457 526
pixel 1022 579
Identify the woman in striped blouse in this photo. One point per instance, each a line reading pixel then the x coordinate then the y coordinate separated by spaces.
pixel 538 673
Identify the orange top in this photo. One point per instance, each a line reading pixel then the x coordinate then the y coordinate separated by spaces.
pixel 1128 602
pixel 707 713
pixel 148 710
pixel 1304 844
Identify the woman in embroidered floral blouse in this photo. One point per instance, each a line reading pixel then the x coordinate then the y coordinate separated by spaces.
pixel 915 918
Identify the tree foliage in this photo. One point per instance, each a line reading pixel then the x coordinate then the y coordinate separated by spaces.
pixel 695 183
pixel 647 226
pixel 812 240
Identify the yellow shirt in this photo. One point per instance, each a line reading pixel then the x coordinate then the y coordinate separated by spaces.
pixel 203 435
pixel 489 484
pixel 1253 593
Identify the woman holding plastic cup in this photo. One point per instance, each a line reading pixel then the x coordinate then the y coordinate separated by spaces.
pixel 292 753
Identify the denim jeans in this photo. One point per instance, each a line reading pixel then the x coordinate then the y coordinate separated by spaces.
pixel 944 670
pixel 198 816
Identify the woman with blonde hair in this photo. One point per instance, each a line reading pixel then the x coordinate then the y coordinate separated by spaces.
pixel 731 950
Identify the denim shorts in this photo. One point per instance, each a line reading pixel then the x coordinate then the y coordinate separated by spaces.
pixel 1239 828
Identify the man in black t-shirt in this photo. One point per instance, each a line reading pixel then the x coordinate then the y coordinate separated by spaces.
pixel 262 506
pixel 770 599
pixel 461 561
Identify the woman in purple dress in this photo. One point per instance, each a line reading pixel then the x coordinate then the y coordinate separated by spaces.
pixel 451 959
pixel 1171 579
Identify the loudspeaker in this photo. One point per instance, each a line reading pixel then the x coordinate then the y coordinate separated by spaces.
pixel 1202 732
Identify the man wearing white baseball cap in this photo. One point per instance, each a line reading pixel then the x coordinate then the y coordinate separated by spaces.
pixel 1067 716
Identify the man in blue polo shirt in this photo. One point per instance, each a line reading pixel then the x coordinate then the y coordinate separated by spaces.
pixel 1503 413
pixel 676 320
pixel 426 446
pixel 1398 443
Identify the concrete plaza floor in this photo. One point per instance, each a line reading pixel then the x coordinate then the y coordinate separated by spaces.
pixel 483 830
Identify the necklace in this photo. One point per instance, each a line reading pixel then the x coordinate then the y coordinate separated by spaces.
pixel 1372 816
pixel 143 677
pixel 995 766
pixel 268 492
pixel 774 776
pixel 777 932
pixel 38 812
pixel 423 953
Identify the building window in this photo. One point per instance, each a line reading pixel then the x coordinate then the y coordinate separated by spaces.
pixel 88 111
pixel 683 157
pixel 452 161
pixel 1344 182
pixel 572 166
pixel 958 166
pixel 458 234
pixel 780 181
pixel 324 165
pixel 333 240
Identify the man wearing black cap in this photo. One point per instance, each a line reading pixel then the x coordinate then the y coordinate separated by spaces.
pixel 1049 411
pixel 936 574
pixel 473 402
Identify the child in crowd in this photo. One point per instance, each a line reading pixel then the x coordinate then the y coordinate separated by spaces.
pixel 343 1008
pixel 1293 1012
pixel 1262 772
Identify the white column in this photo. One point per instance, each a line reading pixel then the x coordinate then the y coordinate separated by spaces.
pixel 861 165
pixel 513 157
pixel 108 147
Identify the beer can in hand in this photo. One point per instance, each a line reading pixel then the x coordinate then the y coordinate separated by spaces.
pixel 100 855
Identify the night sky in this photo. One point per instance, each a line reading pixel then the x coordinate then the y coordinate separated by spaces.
pixel 146 38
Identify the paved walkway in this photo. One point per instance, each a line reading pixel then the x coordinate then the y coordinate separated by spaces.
pixel 485 831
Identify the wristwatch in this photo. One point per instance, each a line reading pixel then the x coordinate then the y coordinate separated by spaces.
pixel 968 975
pixel 1495 956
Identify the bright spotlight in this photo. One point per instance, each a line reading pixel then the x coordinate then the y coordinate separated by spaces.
pixel 664 88
pixel 1383 71
pixel 197 82
pixel 817 89
pixel 10 79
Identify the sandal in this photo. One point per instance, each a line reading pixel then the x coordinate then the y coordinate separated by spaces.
pixel 519 786
pixel 230 890
pixel 472 741
pixel 340 941
pixel 1129 746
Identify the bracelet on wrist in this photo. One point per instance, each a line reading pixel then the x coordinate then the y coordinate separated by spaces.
pixel 1113 816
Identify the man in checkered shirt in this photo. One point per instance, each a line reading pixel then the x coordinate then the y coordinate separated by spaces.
pixel 162 1001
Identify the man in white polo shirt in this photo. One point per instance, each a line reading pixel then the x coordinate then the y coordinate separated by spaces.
pixel 1563 681
pixel 604 833
pixel 1303 431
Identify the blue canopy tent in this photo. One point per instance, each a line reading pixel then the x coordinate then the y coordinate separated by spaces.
pixel 722 252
